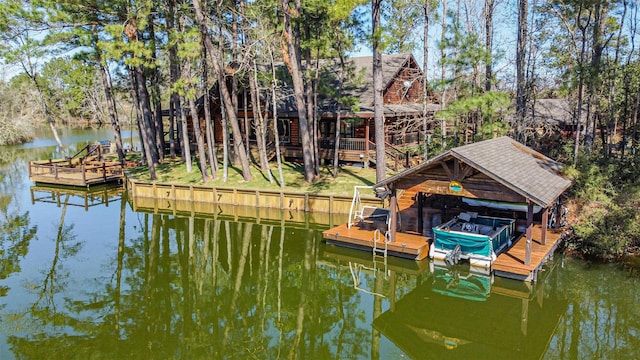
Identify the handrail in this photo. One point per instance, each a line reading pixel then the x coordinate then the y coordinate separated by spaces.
pixel 90 150
pixel 388 152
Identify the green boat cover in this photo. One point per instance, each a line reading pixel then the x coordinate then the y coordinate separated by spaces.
pixel 469 244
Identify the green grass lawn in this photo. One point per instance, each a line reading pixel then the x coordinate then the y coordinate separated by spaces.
pixel 174 172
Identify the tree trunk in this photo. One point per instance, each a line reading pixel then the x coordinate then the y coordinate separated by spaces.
pixel 443 74
pixel 425 86
pixel 225 141
pixel 578 120
pixel 202 157
pixel 224 92
pixel 336 145
pixel 290 50
pixel 209 126
pixel 274 109
pixel 488 29
pixel 378 105
pixel 521 46
pixel 186 140
pixel 143 113
pixel 259 121
pixel 174 72
pixel 111 106
pixel 155 94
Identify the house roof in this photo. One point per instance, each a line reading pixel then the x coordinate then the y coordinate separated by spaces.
pixel 392 64
pixel 362 67
pixel 553 112
pixel 507 162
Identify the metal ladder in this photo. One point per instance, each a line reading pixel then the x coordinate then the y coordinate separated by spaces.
pixel 376 250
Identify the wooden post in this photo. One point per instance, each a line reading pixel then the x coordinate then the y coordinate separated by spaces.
pixel 545 224
pixel 393 204
pixel 527 256
pixel 420 215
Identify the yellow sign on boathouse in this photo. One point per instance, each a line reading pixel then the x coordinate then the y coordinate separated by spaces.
pixel 455 186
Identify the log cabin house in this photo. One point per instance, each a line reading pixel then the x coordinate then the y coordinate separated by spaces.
pixel 403 111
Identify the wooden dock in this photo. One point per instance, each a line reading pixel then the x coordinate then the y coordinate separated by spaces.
pixel 510 264
pixel 67 173
pixel 407 245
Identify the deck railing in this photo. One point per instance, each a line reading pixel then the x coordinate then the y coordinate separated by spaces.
pixel 404 138
pixel 354 144
pixel 80 174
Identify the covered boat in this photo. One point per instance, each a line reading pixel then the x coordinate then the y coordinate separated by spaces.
pixel 477 238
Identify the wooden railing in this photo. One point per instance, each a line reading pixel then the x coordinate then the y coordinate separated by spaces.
pixel 404 139
pixel 393 153
pixel 67 173
pixel 355 144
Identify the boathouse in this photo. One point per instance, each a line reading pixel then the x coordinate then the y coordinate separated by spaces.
pixel 499 179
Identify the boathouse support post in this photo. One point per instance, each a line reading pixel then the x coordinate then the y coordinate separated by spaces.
pixel 545 225
pixel 527 255
pixel 393 204
pixel 420 198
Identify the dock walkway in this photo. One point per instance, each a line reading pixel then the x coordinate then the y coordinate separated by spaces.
pixel 510 264
pixel 407 245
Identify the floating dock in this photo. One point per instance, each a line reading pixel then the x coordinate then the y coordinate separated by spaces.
pixel 407 245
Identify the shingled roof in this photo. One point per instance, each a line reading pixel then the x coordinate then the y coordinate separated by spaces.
pixel 391 64
pixel 506 161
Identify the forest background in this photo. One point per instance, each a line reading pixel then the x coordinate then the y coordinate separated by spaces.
pixel 80 63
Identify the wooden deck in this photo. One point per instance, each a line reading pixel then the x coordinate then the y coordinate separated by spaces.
pixel 510 264
pixel 63 172
pixel 407 245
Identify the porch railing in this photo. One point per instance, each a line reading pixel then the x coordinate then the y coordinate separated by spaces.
pixel 354 144
pixel 404 139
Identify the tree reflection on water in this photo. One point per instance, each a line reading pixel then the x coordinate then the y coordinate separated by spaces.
pixel 109 282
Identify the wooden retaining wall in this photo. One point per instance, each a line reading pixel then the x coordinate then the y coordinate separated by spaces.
pixel 202 199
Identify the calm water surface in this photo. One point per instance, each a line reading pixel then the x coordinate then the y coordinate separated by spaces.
pixel 85 276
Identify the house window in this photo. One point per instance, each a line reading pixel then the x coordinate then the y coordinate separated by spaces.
pixel 284 130
pixel 327 129
pixel 346 130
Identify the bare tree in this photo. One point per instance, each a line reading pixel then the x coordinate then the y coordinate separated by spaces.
pixel 291 52
pixel 226 96
pixel 378 105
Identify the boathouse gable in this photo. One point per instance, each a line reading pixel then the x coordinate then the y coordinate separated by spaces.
pixel 499 169
pixel 449 175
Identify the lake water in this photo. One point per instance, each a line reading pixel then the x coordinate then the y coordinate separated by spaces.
pixel 83 276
